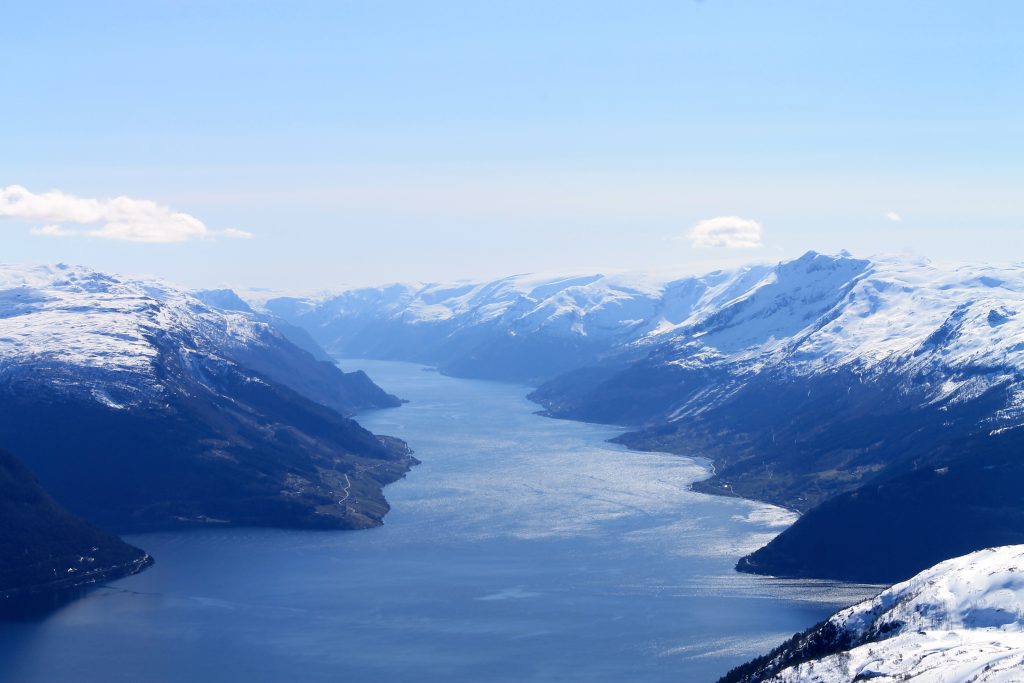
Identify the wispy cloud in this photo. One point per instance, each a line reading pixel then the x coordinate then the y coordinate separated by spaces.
pixel 730 232
pixel 120 218
pixel 53 231
pixel 894 217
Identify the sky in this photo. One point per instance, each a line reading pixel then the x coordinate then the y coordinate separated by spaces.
pixel 309 145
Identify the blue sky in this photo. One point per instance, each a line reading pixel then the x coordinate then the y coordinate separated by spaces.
pixel 363 142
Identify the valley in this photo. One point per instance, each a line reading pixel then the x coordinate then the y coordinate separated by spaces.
pixel 813 383
pixel 522 547
pixel 800 385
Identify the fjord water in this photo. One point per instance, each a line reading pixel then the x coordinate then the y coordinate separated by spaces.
pixel 522 549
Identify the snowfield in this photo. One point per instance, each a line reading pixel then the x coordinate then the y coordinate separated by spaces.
pixel 958 622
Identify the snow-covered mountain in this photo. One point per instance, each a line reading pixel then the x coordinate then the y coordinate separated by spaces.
pixel 960 621
pixel 950 334
pixel 656 351
pixel 820 312
pixel 804 380
pixel 829 381
pixel 91 333
pixel 821 334
pixel 138 406
pixel 811 314
pixel 523 328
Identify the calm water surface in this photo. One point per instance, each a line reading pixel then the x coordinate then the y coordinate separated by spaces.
pixel 522 549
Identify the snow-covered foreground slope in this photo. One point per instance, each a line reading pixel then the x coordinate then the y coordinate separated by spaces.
pixel 962 621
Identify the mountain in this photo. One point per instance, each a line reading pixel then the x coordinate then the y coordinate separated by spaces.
pixel 524 328
pixel 804 381
pixel 288 355
pixel 44 549
pixel 961 496
pixel 833 376
pixel 228 301
pixel 959 621
pixel 140 407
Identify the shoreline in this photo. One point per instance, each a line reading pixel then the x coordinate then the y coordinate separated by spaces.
pixel 38 600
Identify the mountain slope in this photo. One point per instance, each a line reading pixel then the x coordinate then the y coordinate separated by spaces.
pixel 959 498
pixel 959 621
pixel 945 336
pixel 824 361
pixel 288 355
pixel 44 549
pixel 139 407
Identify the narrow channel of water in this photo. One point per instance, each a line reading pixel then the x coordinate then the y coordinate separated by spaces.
pixel 522 549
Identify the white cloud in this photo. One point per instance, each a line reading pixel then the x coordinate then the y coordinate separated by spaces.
pixel 235 232
pixel 730 232
pixel 893 216
pixel 120 218
pixel 53 231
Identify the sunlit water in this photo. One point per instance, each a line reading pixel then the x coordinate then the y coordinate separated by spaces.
pixel 522 549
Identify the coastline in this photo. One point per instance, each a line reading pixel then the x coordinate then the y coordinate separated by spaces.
pixel 38 600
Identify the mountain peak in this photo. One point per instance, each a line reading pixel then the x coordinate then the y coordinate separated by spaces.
pixel 222 299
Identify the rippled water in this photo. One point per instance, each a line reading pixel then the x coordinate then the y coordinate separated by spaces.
pixel 522 549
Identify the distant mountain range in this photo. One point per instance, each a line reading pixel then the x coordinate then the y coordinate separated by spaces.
pixel 138 406
pixel 962 620
pixel 523 328
pixel 820 383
